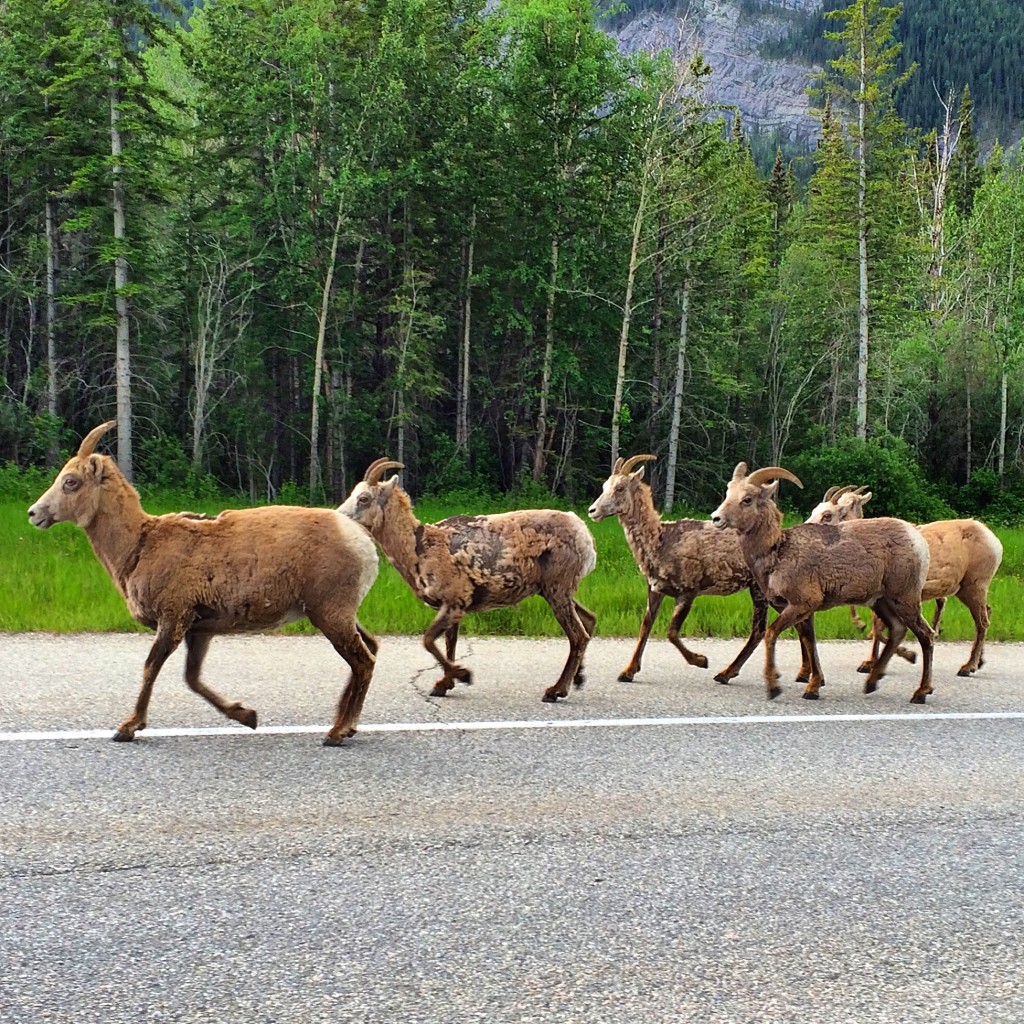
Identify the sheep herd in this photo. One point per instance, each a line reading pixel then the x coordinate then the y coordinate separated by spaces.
pixel 190 577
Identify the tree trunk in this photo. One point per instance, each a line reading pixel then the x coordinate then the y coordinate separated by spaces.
pixel 1002 420
pixel 677 399
pixel 462 398
pixel 122 357
pixel 318 357
pixel 52 450
pixel 541 433
pixel 627 313
pixel 862 247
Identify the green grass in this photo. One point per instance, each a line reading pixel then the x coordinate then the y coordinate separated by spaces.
pixel 51 581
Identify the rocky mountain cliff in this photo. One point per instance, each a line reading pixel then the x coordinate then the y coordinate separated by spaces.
pixel 771 95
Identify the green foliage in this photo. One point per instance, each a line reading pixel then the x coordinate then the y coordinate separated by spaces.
pixel 885 466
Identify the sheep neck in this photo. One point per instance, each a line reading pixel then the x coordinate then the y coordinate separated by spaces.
pixel 760 545
pixel 642 526
pixel 116 530
pixel 397 536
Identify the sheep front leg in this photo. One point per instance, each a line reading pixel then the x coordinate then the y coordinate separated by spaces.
pixel 166 642
pixel 197 643
pixel 791 615
pixel 589 620
pixel 654 600
pixel 446 621
pixel 758 623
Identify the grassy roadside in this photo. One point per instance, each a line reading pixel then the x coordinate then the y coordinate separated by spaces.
pixel 51 582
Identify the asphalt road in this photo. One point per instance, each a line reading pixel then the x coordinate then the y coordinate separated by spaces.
pixel 660 851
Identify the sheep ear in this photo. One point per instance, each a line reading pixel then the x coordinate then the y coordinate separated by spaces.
pixel 638 474
pixel 740 471
pixel 96 466
pixel 770 490
pixel 864 498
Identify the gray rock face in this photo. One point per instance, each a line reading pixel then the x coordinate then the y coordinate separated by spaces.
pixel 770 94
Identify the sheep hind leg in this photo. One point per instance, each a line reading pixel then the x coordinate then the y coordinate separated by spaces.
pixel 977 605
pixel 570 621
pixel 589 620
pixel 166 642
pixel 196 645
pixel 911 614
pixel 351 644
pixel 877 629
pixel 446 621
pixel 654 599
pixel 896 630
pixel 791 615
pixel 758 624
pixel 809 655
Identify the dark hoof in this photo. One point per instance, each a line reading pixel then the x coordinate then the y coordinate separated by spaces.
pixel 870 687
pixel 773 692
pixel 334 741
pixel 965 671
pixel 802 678
pixel 722 678
pixel 918 698
pixel 911 656
pixel 551 698
pixel 579 680
pixel 464 676
pixel 701 661
pixel 439 690
pixel 248 718
pixel 123 737
pixel 864 667
pixel 809 695
pixel 625 677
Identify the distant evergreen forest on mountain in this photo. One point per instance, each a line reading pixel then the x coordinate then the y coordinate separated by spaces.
pixel 953 42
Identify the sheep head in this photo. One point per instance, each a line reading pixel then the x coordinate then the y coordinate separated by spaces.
pixel 840 505
pixel 75 495
pixel 366 503
pixel 617 491
pixel 750 499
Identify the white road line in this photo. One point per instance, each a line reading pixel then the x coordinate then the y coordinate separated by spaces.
pixel 548 723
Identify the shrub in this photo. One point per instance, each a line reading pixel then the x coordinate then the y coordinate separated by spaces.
pixel 886 466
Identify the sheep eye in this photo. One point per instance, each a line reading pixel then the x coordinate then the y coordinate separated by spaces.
pixel 71 483
pixel 364 499
pixel 747 500
pixel 826 517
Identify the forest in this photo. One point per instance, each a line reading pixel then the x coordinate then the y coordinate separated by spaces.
pixel 277 239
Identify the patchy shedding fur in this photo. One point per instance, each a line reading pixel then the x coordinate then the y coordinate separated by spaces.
pixel 808 568
pixel 964 556
pixel 681 559
pixel 190 576
pixel 477 563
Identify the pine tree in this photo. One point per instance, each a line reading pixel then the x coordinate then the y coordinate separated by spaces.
pixel 965 171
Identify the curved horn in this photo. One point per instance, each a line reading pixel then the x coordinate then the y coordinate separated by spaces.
pixel 88 445
pixel 378 468
pixel 628 465
pixel 837 492
pixel 763 476
pixel 830 494
pixel 859 490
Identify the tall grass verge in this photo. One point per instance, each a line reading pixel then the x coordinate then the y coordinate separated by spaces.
pixel 51 582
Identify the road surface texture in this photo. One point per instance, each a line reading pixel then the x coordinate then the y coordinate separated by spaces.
pixel 658 851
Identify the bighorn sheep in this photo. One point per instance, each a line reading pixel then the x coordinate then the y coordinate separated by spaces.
pixel 681 559
pixel 807 568
pixel 191 576
pixel 964 556
pixel 477 563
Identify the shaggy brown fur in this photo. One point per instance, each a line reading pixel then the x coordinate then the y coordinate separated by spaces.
pixel 681 559
pixel 808 568
pixel 964 556
pixel 476 563
pixel 190 577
